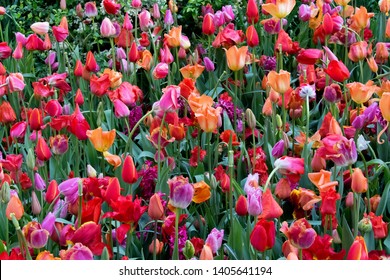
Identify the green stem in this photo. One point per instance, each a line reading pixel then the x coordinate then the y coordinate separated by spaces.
pixel 113 54
pixel 175 255
pixel 80 207
pixel 129 242
pixel 231 175
pixel 128 144
pixel 269 178
pixel 154 239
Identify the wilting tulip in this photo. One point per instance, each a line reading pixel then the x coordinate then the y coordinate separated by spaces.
pixel 129 172
pixel 181 192
pixel 262 237
pixel 337 71
pixel 236 57
pixel 201 192
pixel 358 250
pixel 59 144
pixel 300 234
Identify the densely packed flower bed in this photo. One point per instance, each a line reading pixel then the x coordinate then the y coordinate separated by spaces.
pixel 153 130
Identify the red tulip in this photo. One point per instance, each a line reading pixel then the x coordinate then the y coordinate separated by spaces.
pixel 42 150
pixel 52 192
pixel 252 37
pixel 35 120
pixel 129 172
pixel 208 26
pixel 252 12
pixel 309 56
pixel 358 250
pixel 337 71
pixel 262 237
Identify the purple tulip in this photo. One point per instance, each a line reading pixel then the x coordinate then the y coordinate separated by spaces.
pixel 181 192
pixel 214 239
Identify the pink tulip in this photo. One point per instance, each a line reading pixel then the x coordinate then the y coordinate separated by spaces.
pixel 90 9
pixel 40 28
pixel 121 110
pixel 107 29
pixel 15 82
pixel 160 71
pixel 145 22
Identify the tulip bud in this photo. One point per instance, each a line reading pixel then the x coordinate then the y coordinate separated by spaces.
pixel 40 184
pixel 30 159
pixel 359 182
pixel 42 150
pixel 241 206
pixel 188 250
pixel 250 119
pixel 52 192
pixel 40 27
pixel 208 26
pixel 5 193
pixel 35 120
pixel 35 205
pixel 129 172
pixel 365 225
pixel 207 253
pixel 156 244
pixel 91 172
pixel 349 200
pixel 155 209
pixel 15 207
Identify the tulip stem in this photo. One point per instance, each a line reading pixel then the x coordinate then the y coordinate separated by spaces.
pixel 154 239
pixel 113 54
pixel 209 136
pixel 159 152
pixel 129 241
pixel 175 255
pixel 269 178
pixel 80 206
pixel 21 238
pixel 128 144
pixel 306 152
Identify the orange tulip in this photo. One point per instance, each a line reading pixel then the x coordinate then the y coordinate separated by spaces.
pixel 384 105
pixel 155 209
pixel 47 256
pixel 342 2
pixel 146 60
pixel 101 140
pixel 208 118
pixel 322 180
pixel 202 192
pixel 192 71
pixel 173 38
pixel 361 19
pixel 387 31
pixel 280 9
pixel 236 57
pixel 207 253
pixel 113 160
pixel 7 113
pixel 361 93
pixel 14 206
pixel 196 102
pixel 358 51
pixel 359 183
pixel 114 77
pixel 280 82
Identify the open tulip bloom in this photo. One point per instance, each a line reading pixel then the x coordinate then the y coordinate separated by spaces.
pixel 258 131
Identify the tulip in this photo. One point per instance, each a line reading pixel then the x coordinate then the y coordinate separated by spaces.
pixel 107 29
pixel 252 36
pixel 18 130
pixel 155 209
pixel 207 253
pixel 36 207
pixel 160 71
pixel 129 171
pixel 209 65
pixel 14 206
pixel 168 18
pixel 181 192
pixel 61 31
pixel 172 39
pixel 201 192
pixel 91 64
pixel 35 235
pixel 359 183
pixel 358 250
pixel 236 57
pixel 40 28
pixel 300 234
pixel 42 150
pixel 52 192
pixel 252 11
pixel 156 244
pixel 360 19
pixel 290 166
pixel 15 82
pixel 262 237
pixel 378 226
pixel 145 21
pixel 101 140
pixel 192 71
pixel 254 197
pixel 280 82
pixel 90 9
pixel 208 117
pixel 271 209
pixel 338 149
pixel 280 9
pixel 337 71
pixel 384 105
pixel 382 53
pixel 214 239
pixel 241 206
pixel 18 52
pixel 208 26
pixel 309 56
pixel 69 188
pixel 111 7
pixel 77 252
pixel 113 160
pixel 358 51
pixel 113 191
pixel 7 113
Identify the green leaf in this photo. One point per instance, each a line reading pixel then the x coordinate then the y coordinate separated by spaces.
pixel 238 241
pixel 387 240
pixel 384 200
pixel 370 241
pixel 346 235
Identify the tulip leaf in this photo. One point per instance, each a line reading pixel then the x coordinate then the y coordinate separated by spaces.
pixel 346 235
pixel 238 241
pixel 226 122
pixel 387 240
pixel 230 252
pixel 370 241
pixel 384 200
